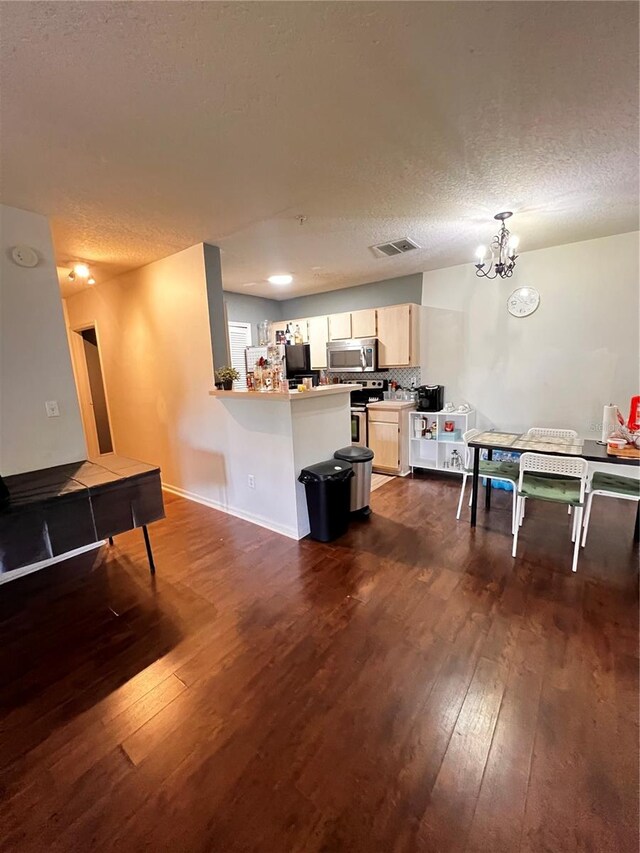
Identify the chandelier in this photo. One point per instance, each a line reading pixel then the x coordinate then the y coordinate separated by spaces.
pixel 503 252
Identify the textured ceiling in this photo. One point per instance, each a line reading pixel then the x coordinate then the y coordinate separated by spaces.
pixel 143 128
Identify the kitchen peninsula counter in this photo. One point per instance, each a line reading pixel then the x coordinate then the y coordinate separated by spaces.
pixel 264 439
pixel 283 396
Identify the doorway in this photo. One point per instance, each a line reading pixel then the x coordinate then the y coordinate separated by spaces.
pixel 91 391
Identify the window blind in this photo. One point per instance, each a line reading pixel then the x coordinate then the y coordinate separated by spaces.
pixel 239 338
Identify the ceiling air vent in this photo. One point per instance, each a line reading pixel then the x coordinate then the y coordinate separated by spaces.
pixel 398 247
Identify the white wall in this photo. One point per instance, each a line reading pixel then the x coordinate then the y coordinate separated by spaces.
pixel 557 367
pixel 34 356
pixel 155 349
pixel 273 440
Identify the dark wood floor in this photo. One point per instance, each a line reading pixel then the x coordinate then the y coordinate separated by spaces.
pixel 409 688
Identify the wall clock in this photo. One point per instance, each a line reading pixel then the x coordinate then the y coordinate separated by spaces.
pixel 523 301
pixel 24 256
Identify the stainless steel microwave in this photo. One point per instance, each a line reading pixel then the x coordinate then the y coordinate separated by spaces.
pixel 353 355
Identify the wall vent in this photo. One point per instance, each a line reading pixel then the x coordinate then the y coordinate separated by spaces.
pixel 397 247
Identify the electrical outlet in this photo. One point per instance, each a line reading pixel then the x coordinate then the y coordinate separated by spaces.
pixel 252 481
pixel 52 408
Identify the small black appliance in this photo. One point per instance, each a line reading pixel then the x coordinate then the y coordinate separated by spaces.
pixel 430 398
pixel 298 360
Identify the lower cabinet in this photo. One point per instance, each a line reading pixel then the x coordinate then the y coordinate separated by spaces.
pixel 388 437
pixel 383 440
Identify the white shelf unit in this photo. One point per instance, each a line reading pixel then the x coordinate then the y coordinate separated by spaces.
pixel 435 454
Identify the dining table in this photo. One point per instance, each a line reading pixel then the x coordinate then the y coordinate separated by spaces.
pixel 490 440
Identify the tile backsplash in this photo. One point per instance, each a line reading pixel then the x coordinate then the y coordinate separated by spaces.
pixel 402 375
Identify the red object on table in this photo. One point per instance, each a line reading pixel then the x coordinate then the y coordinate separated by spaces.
pixel 634 414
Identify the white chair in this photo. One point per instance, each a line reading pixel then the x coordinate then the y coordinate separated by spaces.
pixel 552 432
pixel 611 486
pixel 506 471
pixel 567 486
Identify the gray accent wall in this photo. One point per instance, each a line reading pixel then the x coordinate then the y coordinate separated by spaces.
pixel 244 308
pixel 378 294
pixel 215 298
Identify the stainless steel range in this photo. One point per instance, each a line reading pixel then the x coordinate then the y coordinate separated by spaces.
pixel 372 390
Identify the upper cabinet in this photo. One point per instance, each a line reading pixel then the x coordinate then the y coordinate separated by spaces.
pixel 340 327
pixel 398 336
pixel 276 326
pixel 303 326
pixel 396 328
pixel 363 323
pixel 318 337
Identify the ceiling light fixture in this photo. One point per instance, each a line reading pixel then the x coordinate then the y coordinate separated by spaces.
pixel 81 270
pixel 283 278
pixel 503 252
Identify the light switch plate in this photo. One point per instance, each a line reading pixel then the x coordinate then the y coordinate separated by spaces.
pixel 52 408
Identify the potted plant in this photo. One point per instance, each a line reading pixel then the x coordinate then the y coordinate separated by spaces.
pixel 226 376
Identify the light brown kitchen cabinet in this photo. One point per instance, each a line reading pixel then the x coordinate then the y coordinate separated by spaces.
pixel 383 440
pixel 276 326
pixel 398 336
pixel 303 325
pixel 339 327
pixel 363 323
pixel 318 330
pixel 389 436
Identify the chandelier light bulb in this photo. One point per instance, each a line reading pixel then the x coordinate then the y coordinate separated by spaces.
pixel 514 242
pixel 481 252
pixel 91 280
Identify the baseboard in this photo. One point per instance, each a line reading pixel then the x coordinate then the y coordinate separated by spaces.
pixel 289 532
pixel 35 567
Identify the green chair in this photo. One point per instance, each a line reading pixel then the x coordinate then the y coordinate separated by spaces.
pixel 611 486
pixel 495 470
pixel 567 486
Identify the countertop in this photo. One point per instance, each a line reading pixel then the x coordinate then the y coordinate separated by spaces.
pixel 283 397
pixel 392 405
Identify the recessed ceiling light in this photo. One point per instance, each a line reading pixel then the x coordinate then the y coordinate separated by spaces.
pixel 82 270
pixel 284 278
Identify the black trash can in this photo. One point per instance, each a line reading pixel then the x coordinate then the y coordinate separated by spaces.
pixel 328 498
pixel 362 460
